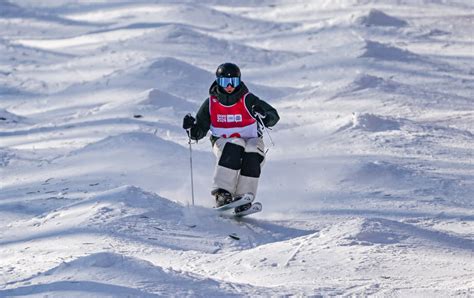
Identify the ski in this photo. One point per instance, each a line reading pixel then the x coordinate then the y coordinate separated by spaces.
pixel 256 207
pixel 245 199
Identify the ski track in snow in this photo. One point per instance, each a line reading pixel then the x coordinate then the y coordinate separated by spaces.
pixel 368 190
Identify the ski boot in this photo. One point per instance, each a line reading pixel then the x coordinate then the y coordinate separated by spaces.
pixel 223 197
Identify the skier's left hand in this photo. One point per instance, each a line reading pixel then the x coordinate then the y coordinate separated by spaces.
pixel 258 111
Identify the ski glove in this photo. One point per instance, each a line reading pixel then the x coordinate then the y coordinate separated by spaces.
pixel 188 122
pixel 259 111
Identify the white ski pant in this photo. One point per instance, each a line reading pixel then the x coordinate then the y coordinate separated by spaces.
pixel 238 165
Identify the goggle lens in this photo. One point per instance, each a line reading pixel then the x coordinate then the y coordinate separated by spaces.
pixel 224 81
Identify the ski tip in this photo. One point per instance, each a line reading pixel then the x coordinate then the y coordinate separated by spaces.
pixel 255 208
pixel 250 195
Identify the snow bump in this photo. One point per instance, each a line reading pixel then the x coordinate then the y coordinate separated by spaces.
pixel 167 74
pixel 10 118
pixel 137 140
pixel 112 274
pixel 381 51
pixel 373 123
pixel 159 99
pixel 377 231
pixel 377 17
pixel 382 171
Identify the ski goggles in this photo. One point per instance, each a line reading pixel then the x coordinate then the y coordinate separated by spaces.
pixel 224 81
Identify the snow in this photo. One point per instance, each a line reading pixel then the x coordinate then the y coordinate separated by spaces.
pixel 379 18
pixel 371 122
pixel 8 118
pixel 367 191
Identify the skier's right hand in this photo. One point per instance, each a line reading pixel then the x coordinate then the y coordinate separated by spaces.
pixel 188 122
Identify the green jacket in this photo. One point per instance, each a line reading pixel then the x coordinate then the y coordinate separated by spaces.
pixel 203 118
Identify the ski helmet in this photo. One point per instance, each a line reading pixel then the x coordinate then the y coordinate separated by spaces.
pixel 228 70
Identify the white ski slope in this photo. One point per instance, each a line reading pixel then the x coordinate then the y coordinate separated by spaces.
pixel 368 191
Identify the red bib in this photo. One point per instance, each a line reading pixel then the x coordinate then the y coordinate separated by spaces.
pixel 233 121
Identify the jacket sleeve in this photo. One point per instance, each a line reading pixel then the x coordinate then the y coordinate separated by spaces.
pixel 203 122
pixel 271 117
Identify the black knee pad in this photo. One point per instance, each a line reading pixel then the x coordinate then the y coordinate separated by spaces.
pixel 251 164
pixel 231 156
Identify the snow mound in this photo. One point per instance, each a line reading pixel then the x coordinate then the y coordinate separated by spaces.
pixel 377 231
pixel 139 141
pixel 173 67
pixel 221 49
pixel 10 118
pixel 373 123
pixel 373 231
pixel 173 40
pixel 130 212
pixel 99 260
pixel 377 17
pixel 134 198
pixel 192 14
pixel 387 180
pixel 105 208
pixel 136 158
pixel 366 81
pixel 159 99
pixel 113 265
pixel 12 52
pixel 173 33
pixel 434 33
pixel 9 10
pixel 377 50
pixel 377 173
pixel 168 74
pixel 126 277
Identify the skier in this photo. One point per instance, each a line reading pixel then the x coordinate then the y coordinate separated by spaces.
pixel 232 114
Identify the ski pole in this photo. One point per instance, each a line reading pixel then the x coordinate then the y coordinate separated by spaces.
pixel 265 129
pixel 191 164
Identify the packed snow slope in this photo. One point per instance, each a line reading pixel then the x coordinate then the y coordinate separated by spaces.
pixel 368 190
